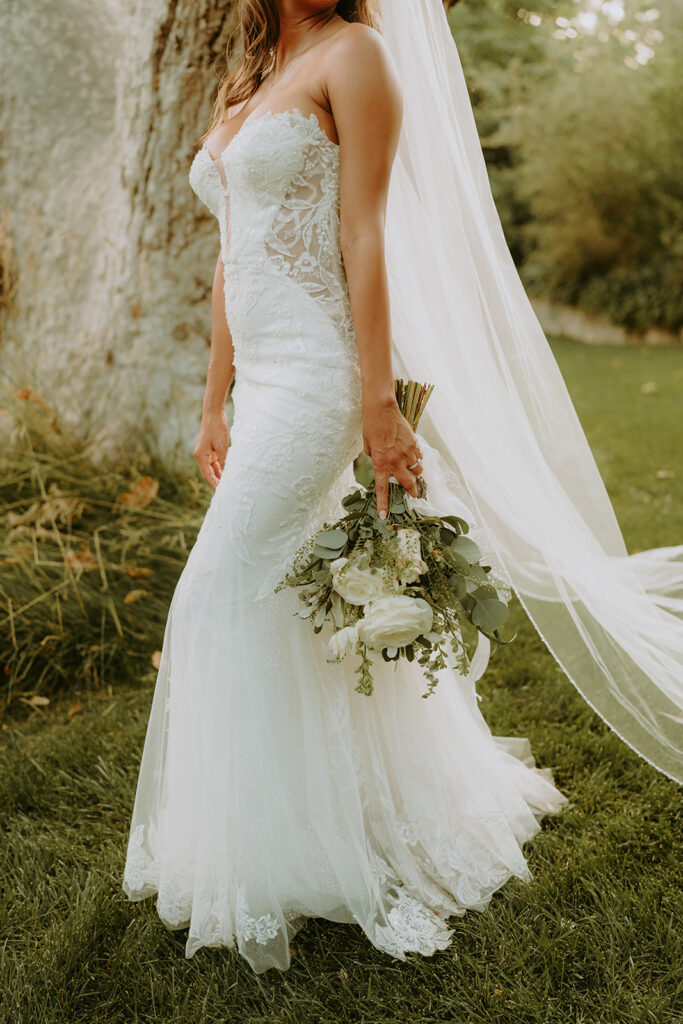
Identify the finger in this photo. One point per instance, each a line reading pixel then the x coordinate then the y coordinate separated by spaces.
pixel 407 481
pixel 382 491
pixel 216 465
pixel 222 454
pixel 208 472
pixel 416 470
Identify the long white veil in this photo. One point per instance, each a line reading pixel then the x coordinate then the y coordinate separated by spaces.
pixel 501 416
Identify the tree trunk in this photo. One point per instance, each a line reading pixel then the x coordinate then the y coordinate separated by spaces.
pixel 113 255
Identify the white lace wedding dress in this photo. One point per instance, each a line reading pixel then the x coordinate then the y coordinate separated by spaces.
pixel 270 791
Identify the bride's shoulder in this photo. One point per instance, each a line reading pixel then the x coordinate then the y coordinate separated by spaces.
pixel 357 43
pixel 360 52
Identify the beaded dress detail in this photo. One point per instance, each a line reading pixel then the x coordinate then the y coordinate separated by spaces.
pixel 269 790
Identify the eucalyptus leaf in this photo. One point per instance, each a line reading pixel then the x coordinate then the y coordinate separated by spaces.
pixel 489 615
pixel 319 616
pixel 466 546
pixel 446 536
pixel 456 559
pixel 334 540
pixel 459 524
pixel 325 555
pixel 469 635
pixel 458 585
pixel 363 470
pixel 355 499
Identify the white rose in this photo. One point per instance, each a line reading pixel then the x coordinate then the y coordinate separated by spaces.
pixel 394 621
pixel 410 563
pixel 357 586
pixel 342 642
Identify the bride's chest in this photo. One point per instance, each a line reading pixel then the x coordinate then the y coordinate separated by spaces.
pixel 271 158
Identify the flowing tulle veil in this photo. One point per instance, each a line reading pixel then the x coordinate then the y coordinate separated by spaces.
pixel 501 417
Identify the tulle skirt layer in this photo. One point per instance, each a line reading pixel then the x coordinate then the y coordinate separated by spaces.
pixel 269 790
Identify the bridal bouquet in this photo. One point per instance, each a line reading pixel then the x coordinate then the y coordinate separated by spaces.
pixel 407 586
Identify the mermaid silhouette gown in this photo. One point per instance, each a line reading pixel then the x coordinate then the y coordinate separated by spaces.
pixel 269 790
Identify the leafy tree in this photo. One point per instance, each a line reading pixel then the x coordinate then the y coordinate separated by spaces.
pixel 576 106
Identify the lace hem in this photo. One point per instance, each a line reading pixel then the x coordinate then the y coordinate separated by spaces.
pixel 398 925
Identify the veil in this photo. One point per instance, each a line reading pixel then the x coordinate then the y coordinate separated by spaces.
pixel 501 418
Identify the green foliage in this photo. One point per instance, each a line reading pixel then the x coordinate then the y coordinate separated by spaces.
pixel 603 179
pixel 585 154
pixel 506 64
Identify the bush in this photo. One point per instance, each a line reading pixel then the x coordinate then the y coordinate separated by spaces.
pixel 585 154
pixel 601 175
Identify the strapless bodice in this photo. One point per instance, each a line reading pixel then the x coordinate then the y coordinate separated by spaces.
pixel 275 193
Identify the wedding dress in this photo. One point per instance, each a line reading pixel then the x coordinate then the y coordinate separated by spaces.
pixel 269 790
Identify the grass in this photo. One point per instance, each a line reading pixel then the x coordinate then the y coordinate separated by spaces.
pixel 591 939
pixel 89 555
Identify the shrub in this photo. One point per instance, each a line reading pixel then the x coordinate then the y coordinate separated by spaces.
pixel 602 177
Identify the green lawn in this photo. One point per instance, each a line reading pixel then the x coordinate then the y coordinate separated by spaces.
pixel 591 939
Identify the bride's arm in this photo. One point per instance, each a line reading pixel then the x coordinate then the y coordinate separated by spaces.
pixel 214 439
pixel 366 104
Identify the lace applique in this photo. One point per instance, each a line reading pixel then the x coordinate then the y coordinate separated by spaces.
pixel 466 859
pixel 414 928
pixel 284 212
pixel 142 878
pixel 206 183
pixel 262 929
pixel 174 904
pixel 139 873
pixel 409 832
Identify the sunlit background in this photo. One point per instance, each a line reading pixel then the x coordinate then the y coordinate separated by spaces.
pixel 106 262
pixel 106 255
pixel 579 105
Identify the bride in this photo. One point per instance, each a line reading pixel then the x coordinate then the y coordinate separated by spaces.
pixel 358 239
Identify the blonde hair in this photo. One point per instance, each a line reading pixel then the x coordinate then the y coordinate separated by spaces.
pixel 256 32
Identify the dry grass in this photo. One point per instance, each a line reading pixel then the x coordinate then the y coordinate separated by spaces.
pixel 89 554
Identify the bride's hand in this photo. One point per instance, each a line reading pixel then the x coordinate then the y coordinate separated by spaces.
pixel 212 446
pixel 393 447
